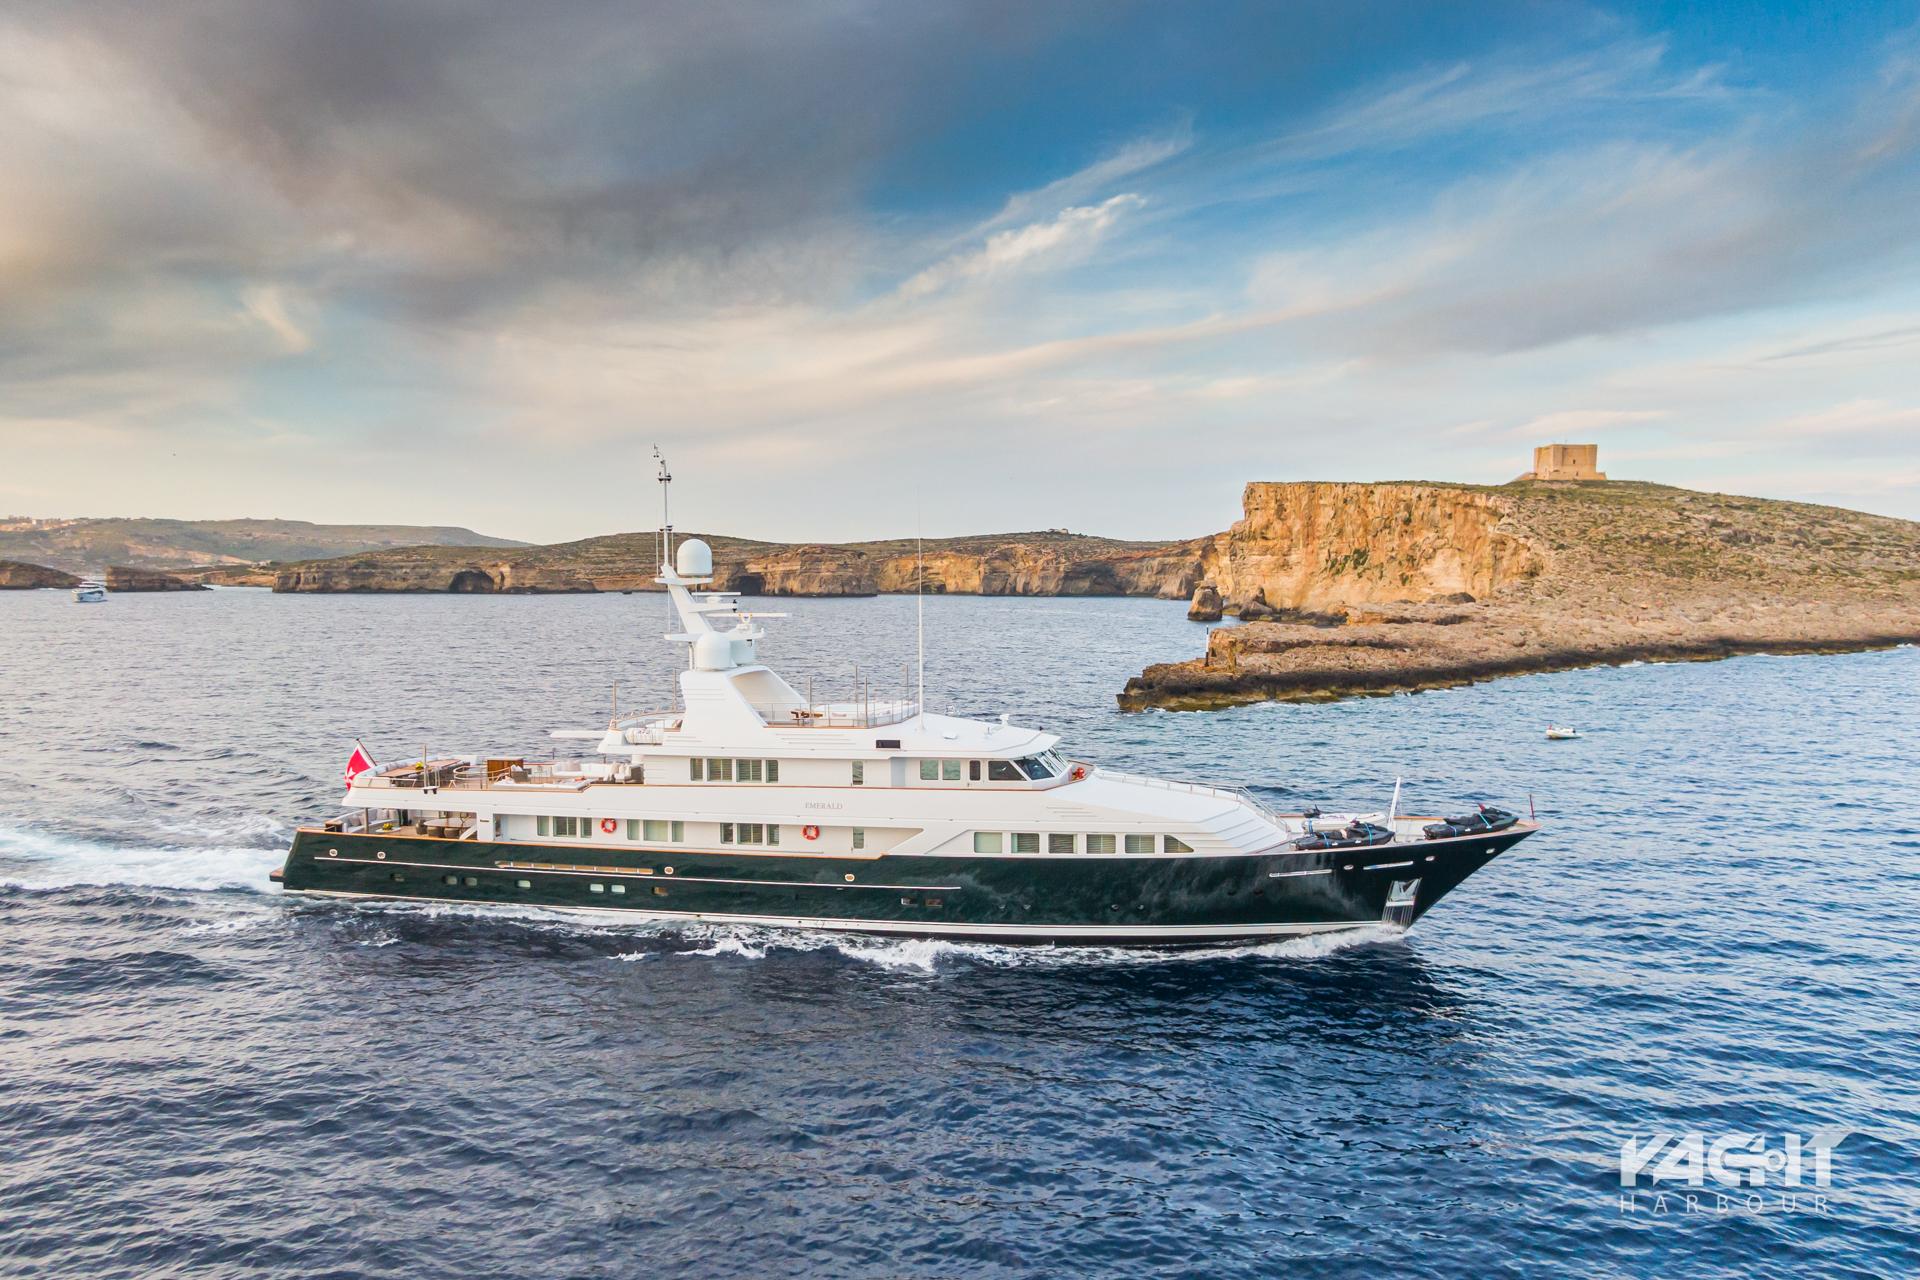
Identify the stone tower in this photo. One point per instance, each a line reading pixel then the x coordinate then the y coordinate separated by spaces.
pixel 1566 462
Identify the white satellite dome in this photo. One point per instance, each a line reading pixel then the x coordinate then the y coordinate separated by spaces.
pixel 713 651
pixel 693 559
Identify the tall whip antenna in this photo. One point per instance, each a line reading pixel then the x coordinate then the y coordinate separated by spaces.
pixel 920 615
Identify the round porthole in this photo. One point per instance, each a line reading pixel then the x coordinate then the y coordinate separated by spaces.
pixel 668 870
pixel 380 853
pixel 849 877
pixel 333 853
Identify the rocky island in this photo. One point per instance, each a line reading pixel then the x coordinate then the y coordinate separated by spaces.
pixel 1375 588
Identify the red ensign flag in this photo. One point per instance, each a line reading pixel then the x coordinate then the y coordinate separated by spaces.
pixel 359 762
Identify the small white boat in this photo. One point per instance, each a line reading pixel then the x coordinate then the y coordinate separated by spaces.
pixel 1561 732
pixel 90 591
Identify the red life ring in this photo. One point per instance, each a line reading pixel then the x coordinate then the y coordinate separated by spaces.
pixel 609 826
pixel 1079 772
pixel 810 832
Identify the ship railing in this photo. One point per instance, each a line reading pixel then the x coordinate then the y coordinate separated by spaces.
pixel 1224 790
pixel 837 715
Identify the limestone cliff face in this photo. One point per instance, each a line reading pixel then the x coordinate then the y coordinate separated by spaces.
pixel 126 578
pixel 1325 545
pixel 1014 564
pixel 16 575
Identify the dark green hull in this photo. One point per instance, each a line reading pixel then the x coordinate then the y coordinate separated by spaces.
pixel 1185 899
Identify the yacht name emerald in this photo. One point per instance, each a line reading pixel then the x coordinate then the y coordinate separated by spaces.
pixel 753 804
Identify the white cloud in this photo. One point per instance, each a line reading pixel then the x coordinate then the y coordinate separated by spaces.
pixel 1061 239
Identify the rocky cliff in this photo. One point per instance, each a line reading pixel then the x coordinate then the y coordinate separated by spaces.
pixel 1009 564
pixel 1312 546
pixel 1417 586
pixel 124 578
pixel 18 576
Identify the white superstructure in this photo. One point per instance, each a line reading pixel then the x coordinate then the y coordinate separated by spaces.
pixel 749 763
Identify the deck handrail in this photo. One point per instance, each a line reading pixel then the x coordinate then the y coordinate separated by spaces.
pixel 1225 790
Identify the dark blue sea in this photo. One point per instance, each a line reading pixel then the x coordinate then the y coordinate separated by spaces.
pixel 1718 933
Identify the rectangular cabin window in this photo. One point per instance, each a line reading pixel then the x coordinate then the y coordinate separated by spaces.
pixel 1003 771
pixel 678 831
pixel 1099 844
pixel 973 770
pixel 773 833
pixel 726 833
pixel 1174 844
pixel 719 770
pixel 1059 842
pixel 657 829
pixel 633 828
pixel 693 768
pixel 1026 842
pixel 929 771
pixel 748 832
pixel 1139 844
pixel 859 837
pixel 749 770
pixel 543 825
pixel 950 771
pixel 986 842
pixel 859 773
pixel 773 771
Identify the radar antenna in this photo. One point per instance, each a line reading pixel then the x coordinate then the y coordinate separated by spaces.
pixel 666 515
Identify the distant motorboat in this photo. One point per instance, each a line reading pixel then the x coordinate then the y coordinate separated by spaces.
pixel 90 591
pixel 1561 732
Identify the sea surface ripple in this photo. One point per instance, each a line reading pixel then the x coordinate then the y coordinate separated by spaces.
pixel 1718 931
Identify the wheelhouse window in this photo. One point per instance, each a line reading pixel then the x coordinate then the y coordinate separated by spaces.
pixel 1003 771
pixel 929 771
pixel 973 770
pixel 949 771
pixel 1099 844
pixel 1038 768
pixel 986 842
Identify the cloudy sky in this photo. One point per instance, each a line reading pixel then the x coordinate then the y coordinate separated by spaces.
pixel 862 265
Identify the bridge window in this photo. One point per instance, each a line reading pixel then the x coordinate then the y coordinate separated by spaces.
pixel 973 770
pixel 1038 768
pixel 986 842
pixel 1099 844
pixel 929 771
pixel 949 771
pixel 1003 771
